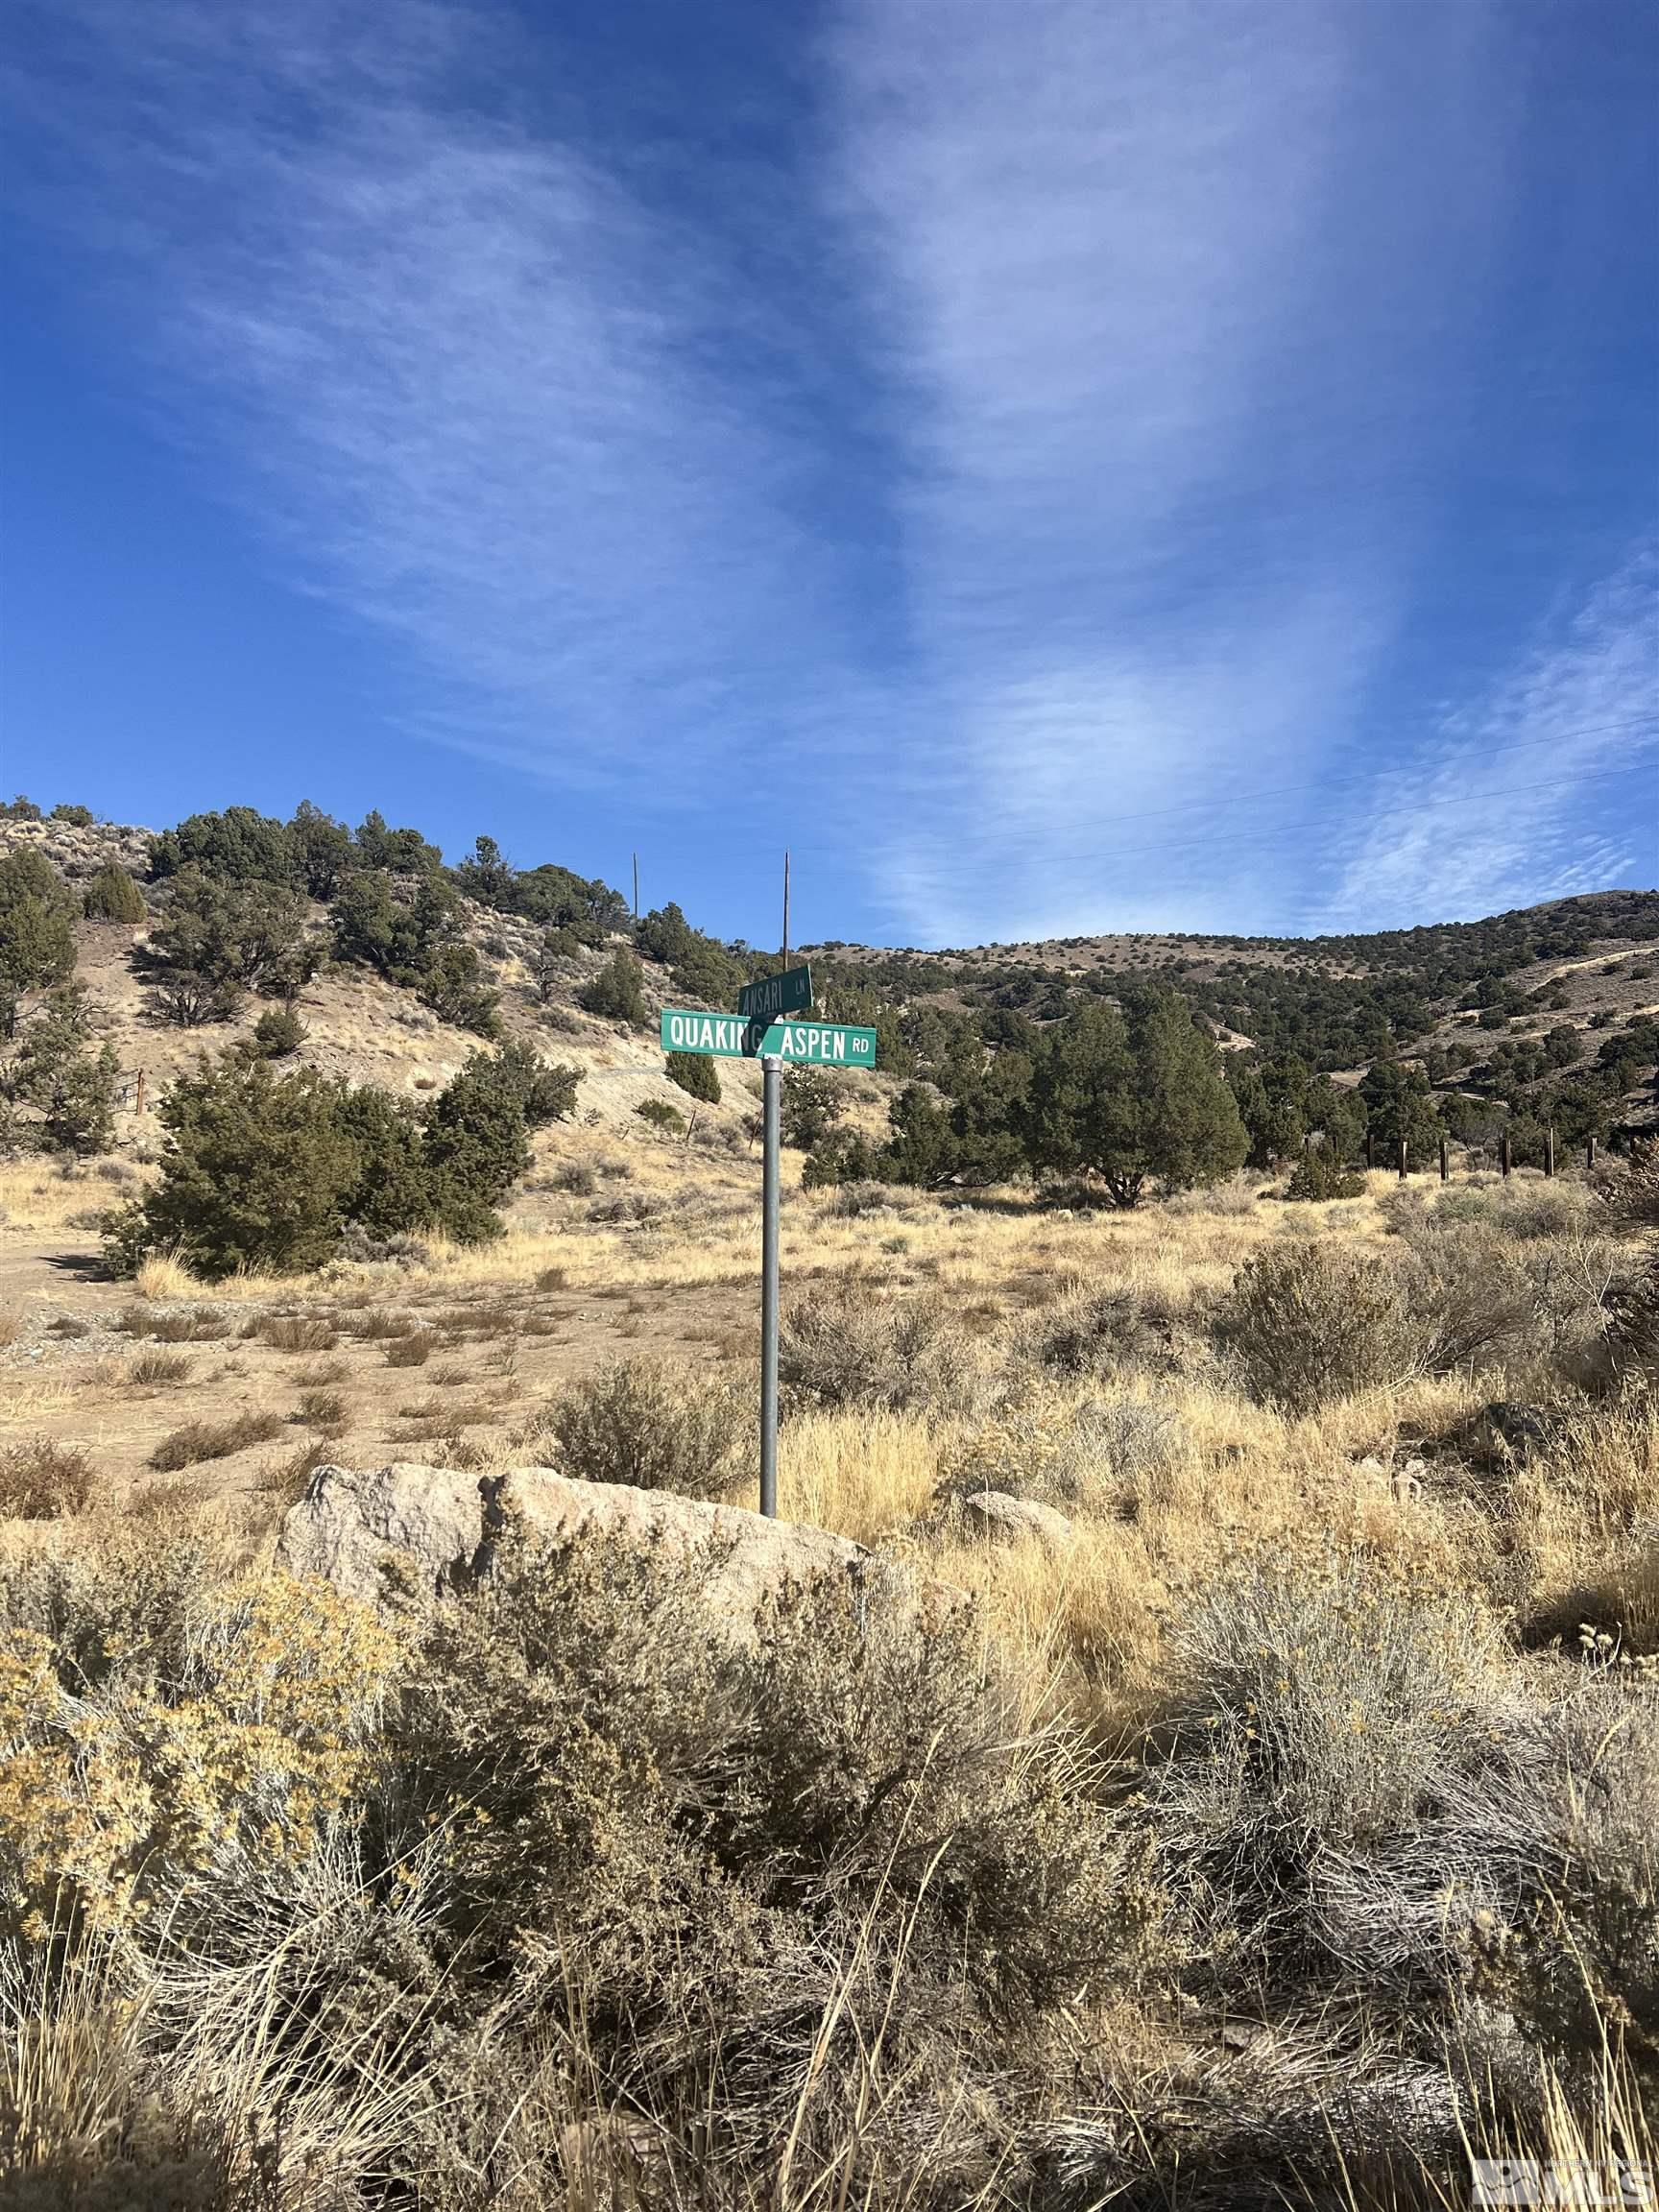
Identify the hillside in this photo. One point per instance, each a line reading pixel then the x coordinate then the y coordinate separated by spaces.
pixel 1547 1015
pixel 362 1027
pixel 1469 1001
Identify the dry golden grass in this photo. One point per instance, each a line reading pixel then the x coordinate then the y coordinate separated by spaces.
pixel 864 1475
pixel 35 1197
pixel 711 1235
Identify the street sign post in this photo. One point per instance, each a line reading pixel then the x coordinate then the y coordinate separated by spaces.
pixel 789 991
pixel 755 1034
pixel 772 1114
pixel 730 1036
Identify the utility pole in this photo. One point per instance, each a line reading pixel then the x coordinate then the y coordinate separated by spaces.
pixel 785 961
pixel 636 890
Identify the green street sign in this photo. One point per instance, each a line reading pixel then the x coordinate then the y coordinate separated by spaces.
pixel 729 1036
pixel 825 1044
pixel 788 993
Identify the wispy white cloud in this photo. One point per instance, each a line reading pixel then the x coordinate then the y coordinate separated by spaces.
pixel 1503 809
pixel 480 394
pixel 1166 292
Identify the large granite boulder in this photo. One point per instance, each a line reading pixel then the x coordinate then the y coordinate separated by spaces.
pixel 434 1529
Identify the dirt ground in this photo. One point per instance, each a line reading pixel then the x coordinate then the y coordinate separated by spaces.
pixel 98 1367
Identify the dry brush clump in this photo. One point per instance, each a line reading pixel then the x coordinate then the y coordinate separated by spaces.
pixel 847 1346
pixel 193 1325
pixel 643 1423
pixel 148 1369
pixel 41 1479
pixel 1309 1323
pixel 199 1441
pixel 295 1332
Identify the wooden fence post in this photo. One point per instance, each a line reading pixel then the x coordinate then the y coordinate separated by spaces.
pixel 1589 1152
pixel 1370 1149
pixel 139 1108
pixel 1445 1163
pixel 1504 1152
pixel 1402 1158
pixel 1549 1151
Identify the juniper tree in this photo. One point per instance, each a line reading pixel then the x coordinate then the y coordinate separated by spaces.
pixel 256 1171
pixel 36 939
pixel 113 896
pixel 696 1074
pixel 323 850
pixel 617 992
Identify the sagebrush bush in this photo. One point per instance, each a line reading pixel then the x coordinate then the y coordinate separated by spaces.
pixel 1044 1446
pixel 850 1201
pixel 41 1479
pixel 1316 1322
pixel 1036 1447
pixel 1582 1952
pixel 1348 1771
pixel 1093 1332
pixel 742 1868
pixel 846 1347
pixel 655 1427
pixel 1235 1196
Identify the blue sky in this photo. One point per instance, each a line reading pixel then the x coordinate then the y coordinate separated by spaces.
pixel 1057 465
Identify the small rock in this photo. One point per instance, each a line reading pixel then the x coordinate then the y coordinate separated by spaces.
pixel 1000 1515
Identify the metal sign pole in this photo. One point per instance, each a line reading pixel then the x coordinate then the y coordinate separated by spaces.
pixel 772 1075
